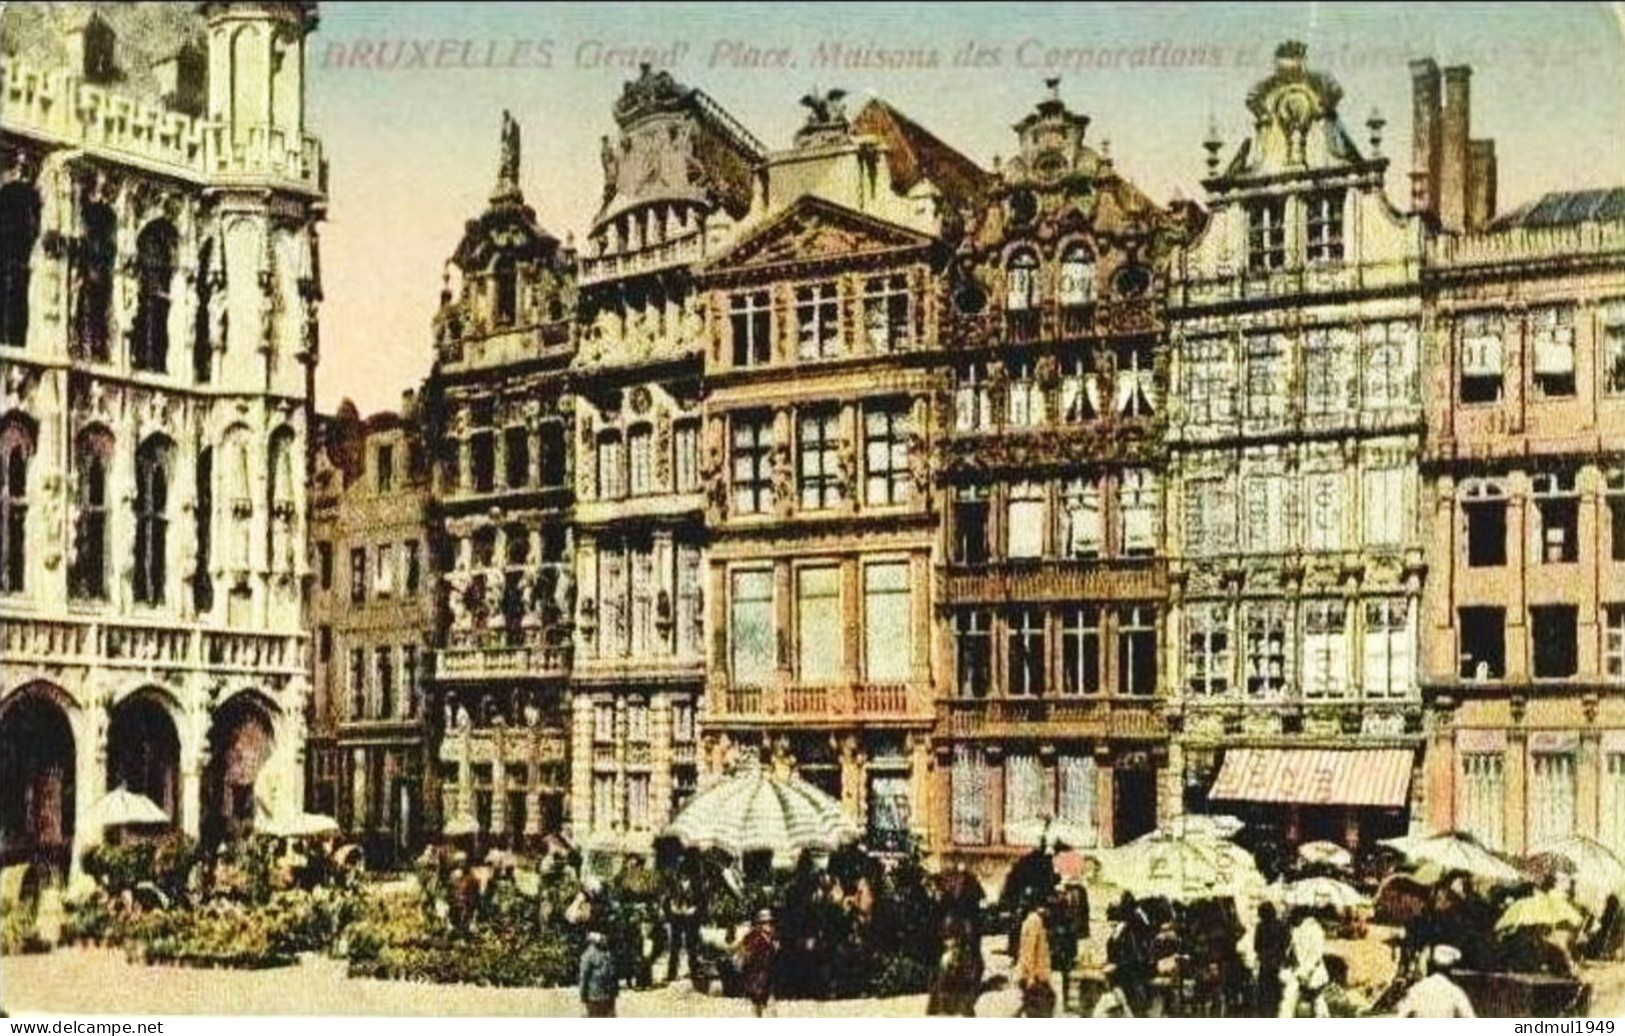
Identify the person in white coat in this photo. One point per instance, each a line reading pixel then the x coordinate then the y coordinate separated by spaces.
pixel 1437 996
pixel 1305 978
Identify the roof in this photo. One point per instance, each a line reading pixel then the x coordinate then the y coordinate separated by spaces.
pixel 1566 208
pixel 914 153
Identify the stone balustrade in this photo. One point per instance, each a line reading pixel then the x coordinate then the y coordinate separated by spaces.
pixel 129 644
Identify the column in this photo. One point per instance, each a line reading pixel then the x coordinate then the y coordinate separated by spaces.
pixel 1104 787
pixel 90 780
pixel 579 817
pixel 1441 767
pixel 995 794
pixel 1171 796
pixel 784 619
pixel 1517 788
pixel 533 781
pixel 499 778
pixel 465 772
pixel 1587 782
pixel 852 620
pixel 660 752
pixel 854 790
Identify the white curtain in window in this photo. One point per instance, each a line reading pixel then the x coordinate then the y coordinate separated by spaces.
pixel 1551 797
pixel 969 783
pixel 1137 510
pixel 1075 777
pixel 1083 527
pixel 1384 507
pixel 1481 348
pixel 1026 513
pixel 1023 793
pixel 888 644
pixel 1481 797
pixel 818 603
pixel 1554 341
pixel 1611 814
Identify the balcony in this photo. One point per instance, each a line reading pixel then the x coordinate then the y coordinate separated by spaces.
pixel 503 663
pixel 1093 717
pixel 1050 321
pixel 1056 579
pixel 818 703
pixel 28 642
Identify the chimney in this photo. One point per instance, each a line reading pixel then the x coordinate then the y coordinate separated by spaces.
pixel 1453 150
pixel 409 404
pixel 1425 136
pixel 1480 183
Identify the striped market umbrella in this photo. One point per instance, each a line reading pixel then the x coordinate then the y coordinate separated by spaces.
pixel 1179 869
pixel 753 811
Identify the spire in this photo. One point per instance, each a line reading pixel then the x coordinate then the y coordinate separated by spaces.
pixel 507 188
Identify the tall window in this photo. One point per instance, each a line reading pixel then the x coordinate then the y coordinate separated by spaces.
pixel 516 456
pixel 1482 651
pixel 685 438
pixel 1266 370
pixel 483 460
pixel 613 626
pixel 1024 796
pixel 1481 797
pixel 1613 642
pixel 885 454
pixel 1323 510
pixel 1137 650
pixel 19 226
pixel 1264 497
pixel 281 546
pixel 973 401
pixel 1388 654
pixel 152 470
pixel 1083 528
pixel 820 474
pixel 1483 503
pixel 970 525
pixel 611 483
pixel 1080 389
pixel 1389 351
pixel 1025 638
pixel 1135 394
pixel 1385 507
pixel 506 278
pixel 1615 497
pixel 1325 649
pixel 98 251
pixel 414 567
pixel 969 781
pixel 1552 797
pixel 1210 520
pixel 155 262
pixel 553 453
pixel 1077 286
pixel 203 524
pixel 1025 525
pixel 88 577
pixel 1481 347
pixel 1613 348
pixel 887 631
pixel 818 322
pixel 973 653
pixel 1209 380
pixel 1207 651
pixel 358 574
pixel 637 802
pixel 1324 220
pixel 640 460
pixel 16 450
pixel 750 629
pixel 383 581
pixel 1021 282
pixel 324 564
pixel 1026 409
pixel 1553 633
pixel 1268 668
pixel 818 625
pixel 1552 328
pixel 1080 650
pixel 1557 506
pixel 385 459
pixel 1266 235
pixel 386 682
pixel 1137 511
pixel 1327 353
pixel 358 683
pixel 1076 786
pixel 886 313
pixel 409 680
pixel 751 319
pixel 752 464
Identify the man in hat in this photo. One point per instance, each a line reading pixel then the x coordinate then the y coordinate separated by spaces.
pixel 758 952
pixel 600 985
pixel 1437 996
pixel 1034 964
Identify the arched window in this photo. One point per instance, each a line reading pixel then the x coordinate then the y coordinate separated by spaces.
pixel 155 267
pixel 19 226
pixel 98 247
pixel 152 471
pixel 93 455
pixel 16 450
pixel 1021 281
pixel 507 291
pixel 1077 287
pixel 202 321
pixel 611 479
pixel 238 498
pixel 203 515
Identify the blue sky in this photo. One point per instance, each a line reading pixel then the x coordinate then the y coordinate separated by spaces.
pixel 413 147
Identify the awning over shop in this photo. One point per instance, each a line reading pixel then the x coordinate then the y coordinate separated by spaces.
pixel 1378 777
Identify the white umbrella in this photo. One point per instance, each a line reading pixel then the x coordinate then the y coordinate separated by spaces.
pixel 1598 872
pixel 1179 868
pixel 1329 853
pixel 460 826
pixel 1319 893
pixel 300 825
pixel 1198 826
pixel 1451 851
pixel 752 811
pixel 121 807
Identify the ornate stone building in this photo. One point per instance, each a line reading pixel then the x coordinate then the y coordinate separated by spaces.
pixel 158 296
pixel 823 320
pixel 1524 619
pixel 1296 418
pixel 371 616
pixel 1050 475
pixel 498 434
pixel 677 175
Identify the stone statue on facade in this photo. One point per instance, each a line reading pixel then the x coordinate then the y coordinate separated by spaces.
pixel 508 169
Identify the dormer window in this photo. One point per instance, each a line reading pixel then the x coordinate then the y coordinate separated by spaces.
pixel 1266 235
pixel 1077 287
pixel 1021 282
pixel 1325 226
